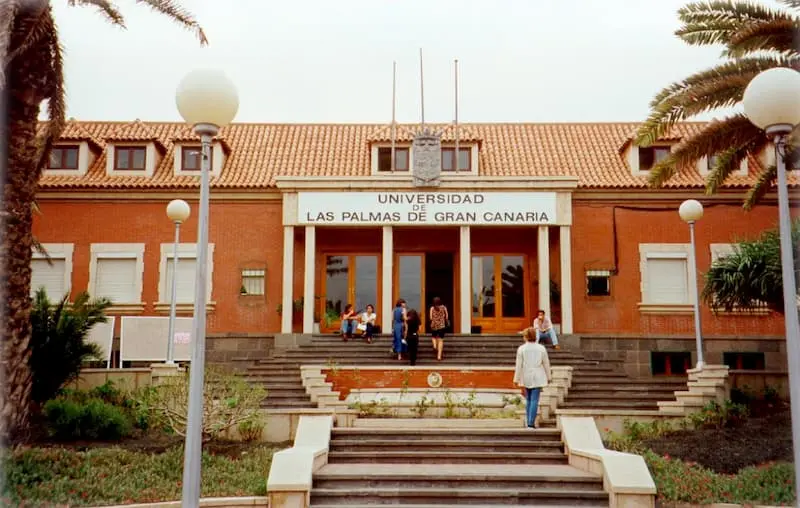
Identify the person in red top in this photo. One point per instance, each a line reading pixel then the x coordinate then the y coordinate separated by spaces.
pixel 544 328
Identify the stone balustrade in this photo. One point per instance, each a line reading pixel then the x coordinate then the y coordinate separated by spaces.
pixel 711 383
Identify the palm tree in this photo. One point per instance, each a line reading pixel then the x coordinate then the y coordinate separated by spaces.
pixel 32 72
pixel 750 277
pixel 755 38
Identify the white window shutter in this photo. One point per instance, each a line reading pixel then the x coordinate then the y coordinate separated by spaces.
pixel 50 276
pixel 116 280
pixel 186 274
pixel 668 281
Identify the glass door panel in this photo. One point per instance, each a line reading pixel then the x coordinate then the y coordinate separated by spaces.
pixel 365 282
pixel 410 281
pixel 483 290
pixel 513 293
pixel 337 282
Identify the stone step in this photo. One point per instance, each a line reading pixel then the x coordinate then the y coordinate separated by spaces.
pixel 622 389
pixel 608 404
pixel 462 496
pixel 417 432
pixel 287 394
pixel 580 379
pixel 323 481
pixel 615 396
pixel 280 386
pixel 444 445
pixel 287 404
pixel 446 457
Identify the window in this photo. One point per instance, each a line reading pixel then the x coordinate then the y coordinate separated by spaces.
pixel 184 276
pixel 184 292
pixel 129 158
pixel 718 252
pixel 664 272
pixel 191 157
pixel 663 363
pixel 743 361
pixel 464 159
pixel 401 162
pixel 649 156
pixel 63 157
pixel 116 280
pixel 598 283
pixel 115 273
pixel 712 162
pixel 253 282
pixel 54 276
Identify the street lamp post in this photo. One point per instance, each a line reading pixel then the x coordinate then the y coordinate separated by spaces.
pixel 772 102
pixel 177 211
pixel 691 211
pixel 207 100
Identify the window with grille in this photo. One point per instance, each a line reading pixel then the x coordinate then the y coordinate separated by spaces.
pixel 253 281
pixel 598 283
pixel 49 276
pixel 743 360
pixel 184 280
pixel 670 363
pixel 115 279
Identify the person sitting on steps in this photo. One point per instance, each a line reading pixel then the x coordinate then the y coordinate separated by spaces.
pixel 348 322
pixel 544 328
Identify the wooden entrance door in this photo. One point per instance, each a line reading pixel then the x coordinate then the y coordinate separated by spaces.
pixel 499 292
pixel 349 278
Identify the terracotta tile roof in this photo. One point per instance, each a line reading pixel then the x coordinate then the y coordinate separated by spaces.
pixel 406 133
pixel 74 131
pixel 188 135
pixel 261 152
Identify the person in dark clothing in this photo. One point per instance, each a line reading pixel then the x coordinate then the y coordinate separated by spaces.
pixel 412 335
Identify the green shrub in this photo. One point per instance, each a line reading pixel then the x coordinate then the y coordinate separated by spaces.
pixel 59 343
pixel 94 419
pixel 716 416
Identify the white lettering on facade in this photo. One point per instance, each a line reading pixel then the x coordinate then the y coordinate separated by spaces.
pixel 420 208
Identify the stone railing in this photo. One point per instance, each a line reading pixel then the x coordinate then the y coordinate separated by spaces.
pixel 290 475
pixel 708 384
pixel 625 476
pixel 554 393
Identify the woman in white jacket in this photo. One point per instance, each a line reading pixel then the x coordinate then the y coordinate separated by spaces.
pixel 532 373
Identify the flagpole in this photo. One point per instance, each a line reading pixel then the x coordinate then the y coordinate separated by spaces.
pixel 421 90
pixel 394 101
pixel 456 154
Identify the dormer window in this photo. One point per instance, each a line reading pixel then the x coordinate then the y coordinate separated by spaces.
pixel 649 156
pixel 464 159
pixel 192 157
pixel 64 157
pixel 130 158
pixel 401 159
pixel 712 162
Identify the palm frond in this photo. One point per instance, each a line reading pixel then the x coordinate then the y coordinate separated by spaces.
pixel 105 7
pixel 719 87
pixel 34 25
pixel 763 184
pixel 8 13
pixel 777 35
pixel 730 161
pixel 708 23
pixel 794 4
pixel 172 10
pixel 716 137
pixel 56 106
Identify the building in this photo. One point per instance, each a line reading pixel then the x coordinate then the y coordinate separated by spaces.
pixel 530 216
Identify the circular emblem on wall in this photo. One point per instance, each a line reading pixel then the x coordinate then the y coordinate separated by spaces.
pixel 434 380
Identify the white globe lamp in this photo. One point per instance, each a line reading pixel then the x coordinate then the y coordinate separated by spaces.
pixel 772 99
pixel 691 210
pixel 207 96
pixel 178 211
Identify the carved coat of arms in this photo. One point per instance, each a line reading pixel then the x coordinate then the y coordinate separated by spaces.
pixel 426 152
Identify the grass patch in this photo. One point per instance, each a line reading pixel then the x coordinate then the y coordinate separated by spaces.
pixel 114 475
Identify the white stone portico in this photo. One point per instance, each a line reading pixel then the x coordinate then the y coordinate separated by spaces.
pixel 387 202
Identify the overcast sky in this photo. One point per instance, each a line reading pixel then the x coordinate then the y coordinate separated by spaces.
pixel 331 61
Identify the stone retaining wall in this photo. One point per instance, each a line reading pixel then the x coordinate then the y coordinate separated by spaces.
pixel 633 353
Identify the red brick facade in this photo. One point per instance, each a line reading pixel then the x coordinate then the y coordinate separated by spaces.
pixel 249 234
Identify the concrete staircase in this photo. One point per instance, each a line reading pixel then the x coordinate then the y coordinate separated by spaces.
pixel 595 385
pixel 421 467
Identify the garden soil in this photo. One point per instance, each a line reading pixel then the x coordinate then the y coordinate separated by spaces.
pixel 766 436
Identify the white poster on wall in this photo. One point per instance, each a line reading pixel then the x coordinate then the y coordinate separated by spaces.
pixel 426 208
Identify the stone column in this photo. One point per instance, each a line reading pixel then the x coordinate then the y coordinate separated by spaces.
pixel 309 274
pixel 288 279
pixel 465 280
pixel 543 257
pixel 387 277
pixel 566 278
